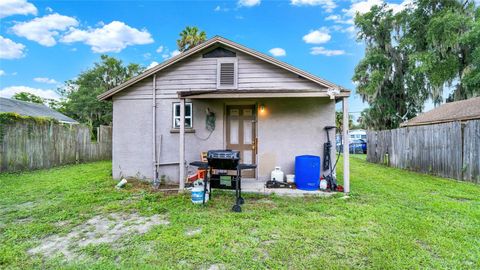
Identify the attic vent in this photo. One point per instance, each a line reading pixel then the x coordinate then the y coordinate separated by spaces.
pixel 219 52
pixel 227 74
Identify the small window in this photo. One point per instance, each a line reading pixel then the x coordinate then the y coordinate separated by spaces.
pixel 226 73
pixel 188 115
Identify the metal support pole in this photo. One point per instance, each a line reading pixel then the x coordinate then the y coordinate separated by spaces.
pixel 182 145
pixel 154 133
pixel 346 150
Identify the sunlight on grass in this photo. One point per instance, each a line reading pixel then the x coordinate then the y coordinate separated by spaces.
pixel 393 219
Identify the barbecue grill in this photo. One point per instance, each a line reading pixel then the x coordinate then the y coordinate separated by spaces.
pixel 222 161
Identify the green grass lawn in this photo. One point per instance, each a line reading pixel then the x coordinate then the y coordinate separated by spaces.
pixel 394 219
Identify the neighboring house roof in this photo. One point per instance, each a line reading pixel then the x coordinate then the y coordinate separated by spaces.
pixel 463 110
pixel 32 109
pixel 217 40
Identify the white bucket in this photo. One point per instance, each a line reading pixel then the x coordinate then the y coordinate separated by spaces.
pixel 290 178
pixel 197 192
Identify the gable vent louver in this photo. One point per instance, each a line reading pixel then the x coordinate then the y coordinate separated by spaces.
pixel 227 74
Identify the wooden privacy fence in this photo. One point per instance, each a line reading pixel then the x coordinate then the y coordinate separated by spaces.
pixel 448 150
pixel 29 145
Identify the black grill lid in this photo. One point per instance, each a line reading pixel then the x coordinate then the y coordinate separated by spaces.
pixel 223 154
pixel 223 159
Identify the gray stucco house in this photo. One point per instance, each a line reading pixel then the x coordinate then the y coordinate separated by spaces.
pixel 234 98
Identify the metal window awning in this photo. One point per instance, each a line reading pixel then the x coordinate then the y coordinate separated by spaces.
pixel 257 93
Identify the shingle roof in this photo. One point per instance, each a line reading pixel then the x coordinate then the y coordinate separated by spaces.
pixel 32 109
pixel 217 40
pixel 463 110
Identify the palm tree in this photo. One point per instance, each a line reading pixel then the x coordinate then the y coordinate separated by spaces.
pixel 190 37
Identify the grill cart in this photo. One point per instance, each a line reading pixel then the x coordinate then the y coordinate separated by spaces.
pixel 217 165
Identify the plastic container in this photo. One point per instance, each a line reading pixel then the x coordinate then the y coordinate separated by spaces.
pixel 290 178
pixel 277 175
pixel 197 192
pixel 307 172
pixel 323 184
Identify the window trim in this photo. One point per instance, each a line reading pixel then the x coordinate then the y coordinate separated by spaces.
pixel 235 72
pixel 174 105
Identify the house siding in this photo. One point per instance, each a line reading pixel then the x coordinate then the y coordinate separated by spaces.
pixel 279 141
pixel 132 138
pixel 291 127
pixel 198 73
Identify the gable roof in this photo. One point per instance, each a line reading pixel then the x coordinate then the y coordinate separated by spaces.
pixel 217 40
pixel 32 109
pixel 462 110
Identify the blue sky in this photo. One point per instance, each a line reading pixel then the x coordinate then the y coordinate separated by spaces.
pixel 44 43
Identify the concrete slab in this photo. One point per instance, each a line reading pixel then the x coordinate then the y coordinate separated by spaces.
pixel 258 187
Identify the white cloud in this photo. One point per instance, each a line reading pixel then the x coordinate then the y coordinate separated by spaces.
pixel 44 30
pixel 327 5
pixel 362 7
pixel 175 53
pixel 400 7
pixel 323 51
pixel 159 49
pixel 317 36
pixel 350 29
pixel 49 9
pixel 112 37
pixel 154 63
pixel 277 52
pixel 219 8
pixel 16 7
pixel 147 55
pixel 167 54
pixel 2 72
pixel 339 19
pixel 45 80
pixel 11 50
pixel 8 92
pixel 333 17
pixel 248 3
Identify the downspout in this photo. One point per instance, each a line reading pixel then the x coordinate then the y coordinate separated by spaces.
pixel 156 183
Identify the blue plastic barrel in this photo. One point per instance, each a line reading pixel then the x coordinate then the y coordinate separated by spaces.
pixel 307 172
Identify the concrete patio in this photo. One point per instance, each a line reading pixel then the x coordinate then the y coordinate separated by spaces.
pixel 258 187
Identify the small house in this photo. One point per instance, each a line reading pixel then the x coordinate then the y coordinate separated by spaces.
pixel 220 95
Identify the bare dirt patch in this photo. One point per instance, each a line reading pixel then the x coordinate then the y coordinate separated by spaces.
pixel 194 231
pixel 97 230
pixel 136 185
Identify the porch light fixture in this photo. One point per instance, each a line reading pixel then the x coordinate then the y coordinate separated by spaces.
pixel 262 108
